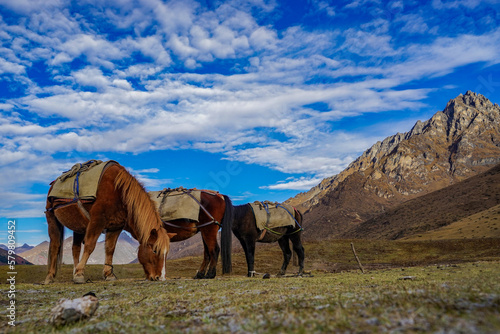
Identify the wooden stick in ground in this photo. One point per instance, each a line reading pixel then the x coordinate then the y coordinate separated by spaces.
pixel 357 259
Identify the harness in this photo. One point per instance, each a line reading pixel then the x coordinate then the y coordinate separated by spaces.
pixel 265 205
pixel 77 169
pixel 166 191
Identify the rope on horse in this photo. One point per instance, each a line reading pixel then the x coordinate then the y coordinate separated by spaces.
pixel 188 192
pixel 265 205
pixel 79 167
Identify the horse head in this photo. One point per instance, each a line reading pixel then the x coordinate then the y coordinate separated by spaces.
pixel 152 261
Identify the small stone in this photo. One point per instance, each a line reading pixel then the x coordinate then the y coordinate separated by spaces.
pixel 72 310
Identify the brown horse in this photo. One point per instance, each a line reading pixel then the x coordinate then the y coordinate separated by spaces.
pixel 120 201
pixel 218 214
pixel 245 229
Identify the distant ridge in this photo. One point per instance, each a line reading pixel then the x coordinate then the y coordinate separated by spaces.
pixel 459 142
pixel 4 258
pixel 125 252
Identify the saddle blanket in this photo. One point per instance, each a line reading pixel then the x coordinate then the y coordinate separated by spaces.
pixel 64 186
pixel 177 203
pixel 277 216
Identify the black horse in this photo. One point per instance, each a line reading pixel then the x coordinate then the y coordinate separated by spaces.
pixel 245 229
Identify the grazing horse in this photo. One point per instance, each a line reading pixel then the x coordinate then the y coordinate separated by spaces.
pixel 121 201
pixel 245 229
pixel 216 211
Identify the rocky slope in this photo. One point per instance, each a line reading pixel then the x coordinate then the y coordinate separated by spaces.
pixel 456 143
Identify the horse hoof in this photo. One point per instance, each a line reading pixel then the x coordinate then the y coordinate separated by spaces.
pixel 110 278
pixel 79 279
pixel 48 281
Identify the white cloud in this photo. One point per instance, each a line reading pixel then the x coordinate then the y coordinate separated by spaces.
pixel 263 39
pixel 324 6
pixel 96 49
pixel 369 44
pixel 413 24
pixel 439 4
pixel 302 183
pixel 10 67
pixel 27 6
pixel 136 88
pixel 152 46
pixel 90 76
pixel 447 54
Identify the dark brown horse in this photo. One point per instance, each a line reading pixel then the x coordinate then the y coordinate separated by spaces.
pixel 218 214
pixel 121 201
pixel 245 229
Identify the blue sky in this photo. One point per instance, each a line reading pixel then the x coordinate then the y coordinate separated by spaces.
pixel 257 99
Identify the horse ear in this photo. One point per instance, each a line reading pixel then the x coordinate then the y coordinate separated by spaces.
pixel 171 235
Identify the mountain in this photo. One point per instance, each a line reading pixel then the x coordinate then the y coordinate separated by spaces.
pixel 23 248
pixel 459 142
pixel 125 251
pixel 470 208
pixel 4 258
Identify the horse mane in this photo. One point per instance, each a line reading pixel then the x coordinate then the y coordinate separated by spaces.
pixel 141 210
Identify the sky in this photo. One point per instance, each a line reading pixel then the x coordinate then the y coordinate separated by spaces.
pixel 258 99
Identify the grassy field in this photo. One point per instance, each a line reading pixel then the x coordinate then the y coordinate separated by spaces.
pixel 410 287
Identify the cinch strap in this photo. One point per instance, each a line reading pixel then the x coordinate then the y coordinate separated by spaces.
pixel 188 192
pixel 265 205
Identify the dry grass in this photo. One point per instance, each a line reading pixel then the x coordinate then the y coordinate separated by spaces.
pixel 439 295
pixel 454 298
pixel 485 224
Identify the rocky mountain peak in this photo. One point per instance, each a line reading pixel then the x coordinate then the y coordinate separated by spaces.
pixel 470 99
pixel 456 143
pixel 470 112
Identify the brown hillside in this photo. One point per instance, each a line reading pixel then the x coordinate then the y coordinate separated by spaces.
pixel 459 142
pixel 485 224
pixel 437 209
pixel 4 258
pixel 349 203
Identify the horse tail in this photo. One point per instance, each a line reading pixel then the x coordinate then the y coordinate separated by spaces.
pixel 226 236
pixel 141 211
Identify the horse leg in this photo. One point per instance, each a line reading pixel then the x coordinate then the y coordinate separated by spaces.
pixel 299 251
pixel 206 259
pixel 249 249
pixel 56 234
pixel 77 248
pixel 287 254
pixel 89 245
pixel 213 249
pixel 110 244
